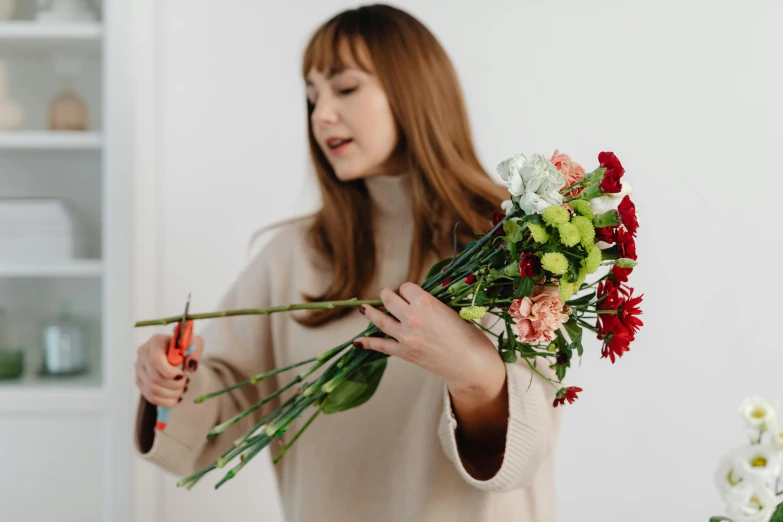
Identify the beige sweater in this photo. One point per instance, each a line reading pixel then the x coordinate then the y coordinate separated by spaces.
pixel 395 458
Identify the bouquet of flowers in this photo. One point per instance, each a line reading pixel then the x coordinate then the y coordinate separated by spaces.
pixel 560 226
pixel 748 477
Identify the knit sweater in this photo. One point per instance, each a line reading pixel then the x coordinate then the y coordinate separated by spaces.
pixel 395 458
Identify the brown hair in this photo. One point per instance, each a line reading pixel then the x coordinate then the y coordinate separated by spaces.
pixel 435 143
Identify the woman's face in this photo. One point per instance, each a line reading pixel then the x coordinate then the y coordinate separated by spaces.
pixel 352 122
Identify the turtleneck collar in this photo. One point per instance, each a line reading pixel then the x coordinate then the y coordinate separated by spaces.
pixel 391 196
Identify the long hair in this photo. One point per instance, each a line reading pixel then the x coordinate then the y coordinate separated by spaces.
pixel 449 184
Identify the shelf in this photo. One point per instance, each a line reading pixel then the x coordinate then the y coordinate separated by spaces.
pixel 52 395
pixel 78 268
pixel 75 140
pixel 35 38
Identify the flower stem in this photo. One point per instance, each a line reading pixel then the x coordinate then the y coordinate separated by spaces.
pixel 353 302
pixel 269 417
pixel 233 472
pixel 220 428
pixel 252 380
pixel 299 434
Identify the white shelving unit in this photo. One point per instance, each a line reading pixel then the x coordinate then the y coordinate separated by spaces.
pixel 85 416
pixel 79 268
pixel 44 140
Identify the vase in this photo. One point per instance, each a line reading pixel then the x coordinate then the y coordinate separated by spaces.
pixel 67 112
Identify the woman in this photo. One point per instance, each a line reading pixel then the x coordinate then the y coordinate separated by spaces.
pixel 453 433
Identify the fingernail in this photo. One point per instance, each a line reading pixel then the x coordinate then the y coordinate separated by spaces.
pixel 186 389
pixel 180 400
pixel 178 377
pixel 362 309
pixel 192 364
pixel 358 344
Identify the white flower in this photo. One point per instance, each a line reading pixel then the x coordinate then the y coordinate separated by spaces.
pixel 731 477
pixel 609 202
pixel 777 439
pixel 760 464
pixel 757 413
pixel 507 205
pixel 536 181
pixel 757 505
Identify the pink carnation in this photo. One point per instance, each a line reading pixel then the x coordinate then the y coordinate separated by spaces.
pixel 572 171
pixel 539 316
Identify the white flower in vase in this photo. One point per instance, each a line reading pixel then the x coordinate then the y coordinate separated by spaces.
pixel 761 464
pixel 731 477
pixel 758 413
pixel 757 506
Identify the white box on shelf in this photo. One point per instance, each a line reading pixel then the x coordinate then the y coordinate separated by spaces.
pixel 38 230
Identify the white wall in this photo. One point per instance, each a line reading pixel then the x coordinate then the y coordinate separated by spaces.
pixel 687 94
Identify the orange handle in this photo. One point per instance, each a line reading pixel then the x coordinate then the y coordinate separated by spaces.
pixel 176 353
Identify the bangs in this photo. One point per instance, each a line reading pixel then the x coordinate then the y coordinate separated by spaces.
pixel 336 45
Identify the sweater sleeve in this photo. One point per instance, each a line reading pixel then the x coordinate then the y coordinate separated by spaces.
pixel 530 432
pixel 235 348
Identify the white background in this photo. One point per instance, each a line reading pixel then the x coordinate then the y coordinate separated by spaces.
pixel 686 93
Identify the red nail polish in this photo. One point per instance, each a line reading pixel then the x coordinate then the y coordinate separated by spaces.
pixel 357 344
pixel 180 400
pixel 178 378
pixel 362 309
pixel 192 364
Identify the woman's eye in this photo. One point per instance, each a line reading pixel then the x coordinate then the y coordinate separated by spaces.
pixel 345 92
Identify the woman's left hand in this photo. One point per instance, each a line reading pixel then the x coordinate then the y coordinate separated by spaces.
pixel 430 334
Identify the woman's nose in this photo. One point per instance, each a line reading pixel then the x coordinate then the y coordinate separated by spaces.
pixel 324 110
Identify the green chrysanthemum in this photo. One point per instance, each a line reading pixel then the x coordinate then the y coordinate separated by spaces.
pixel 540 235
pixel 586 230
pixel 555 215
pixel 593 260
pixel 569 234
pixel 555 262
pixel 566 290
pixel 581 279
pixel 582 208
pixel 472 312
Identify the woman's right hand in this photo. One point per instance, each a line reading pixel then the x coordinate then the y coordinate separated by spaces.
pixel 158 381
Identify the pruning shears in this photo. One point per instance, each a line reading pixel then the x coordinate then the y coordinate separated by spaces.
pixel 179 347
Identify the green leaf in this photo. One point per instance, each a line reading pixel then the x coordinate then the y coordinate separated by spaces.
pixel 513 230
pixel 357 388
pixel 523 287
pixel 583 300
pixel 777 516
pixel 481 297
pixel 509 356
pixel 576 343
pixel 436 268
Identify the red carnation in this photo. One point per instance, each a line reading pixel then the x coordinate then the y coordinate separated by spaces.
pixel 627 312
pixel 605 234
pixel 620 275
pixel 497 217
pixel 616 344
pixel 529 265
pixel 470 279
pixel 447 281
pixel 626 244
pixel 614 171
pixel 627 212
pixel 568 395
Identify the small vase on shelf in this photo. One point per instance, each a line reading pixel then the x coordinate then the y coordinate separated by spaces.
pixel 67 112
pixel 11 113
